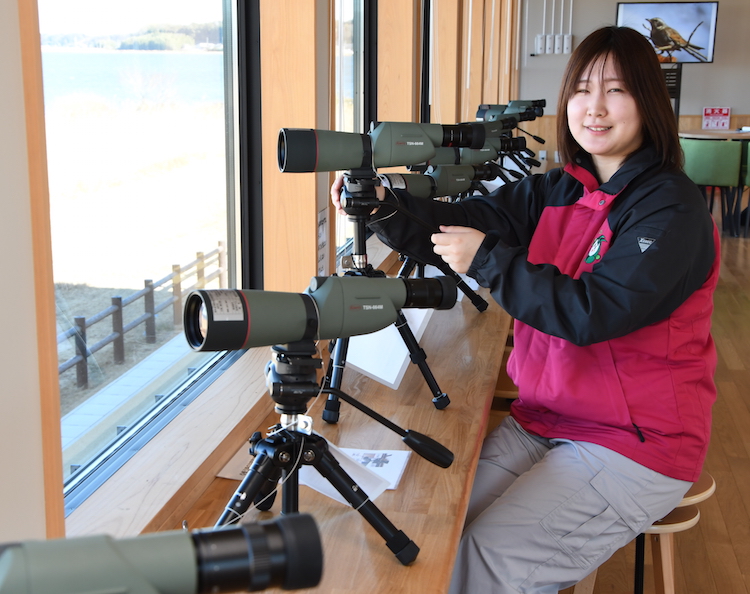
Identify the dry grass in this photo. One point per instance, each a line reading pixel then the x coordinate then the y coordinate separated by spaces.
pixel 82 300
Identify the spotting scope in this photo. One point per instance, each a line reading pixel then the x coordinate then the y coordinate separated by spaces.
pixel 331 307
pixel 522 109
pixel 285 552
pixel 443 180
pixel 388 144
pixel 493 148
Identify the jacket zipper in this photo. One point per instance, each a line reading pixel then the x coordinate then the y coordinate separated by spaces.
pixel 638 431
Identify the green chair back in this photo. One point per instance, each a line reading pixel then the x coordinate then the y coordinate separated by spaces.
pixel 712 162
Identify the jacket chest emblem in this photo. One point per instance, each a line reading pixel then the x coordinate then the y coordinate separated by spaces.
pixel 645 242
pixel 595 250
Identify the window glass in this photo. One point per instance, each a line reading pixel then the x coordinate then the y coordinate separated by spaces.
pixel 348 92
pixel 136 136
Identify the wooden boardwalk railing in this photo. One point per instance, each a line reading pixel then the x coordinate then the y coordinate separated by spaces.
pixel 206 268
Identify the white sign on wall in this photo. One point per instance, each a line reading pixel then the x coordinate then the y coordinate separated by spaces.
pixel 716 118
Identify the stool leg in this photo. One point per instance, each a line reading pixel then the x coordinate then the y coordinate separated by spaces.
pixel 662 549
pixel 586 585
pixel 640 553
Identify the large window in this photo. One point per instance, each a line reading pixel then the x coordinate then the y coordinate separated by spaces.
pixel 137 137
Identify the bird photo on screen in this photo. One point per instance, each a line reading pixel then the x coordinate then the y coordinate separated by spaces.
pixel 666 40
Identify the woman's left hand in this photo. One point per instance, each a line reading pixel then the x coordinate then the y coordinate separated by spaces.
pixel 457 246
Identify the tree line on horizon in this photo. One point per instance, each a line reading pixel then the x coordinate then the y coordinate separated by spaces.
pixel 153 37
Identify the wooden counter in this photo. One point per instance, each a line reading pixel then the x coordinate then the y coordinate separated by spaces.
pixel 464 351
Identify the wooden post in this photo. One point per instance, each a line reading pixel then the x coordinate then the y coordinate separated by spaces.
pixel 148 300
pixel 119 343
pixel 82 370
pixel 200 271
pixel 177 295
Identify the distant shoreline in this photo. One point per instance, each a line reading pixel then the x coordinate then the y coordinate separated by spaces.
pixel 102 50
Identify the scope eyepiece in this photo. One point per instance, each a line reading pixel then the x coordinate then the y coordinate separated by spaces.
pixel 434 293
pixel 283 552
pixel 508 144
pixel 470 135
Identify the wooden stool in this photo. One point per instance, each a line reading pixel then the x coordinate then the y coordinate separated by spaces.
pixel 681 518
pixel 505 390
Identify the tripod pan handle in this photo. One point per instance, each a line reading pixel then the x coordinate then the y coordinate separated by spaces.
pixel 428 448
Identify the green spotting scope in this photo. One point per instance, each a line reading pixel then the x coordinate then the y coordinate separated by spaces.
pixel 285 552
pixel 389 144
pixel 441 181
pixel 331 307
pixel 521 109
pixel 493 148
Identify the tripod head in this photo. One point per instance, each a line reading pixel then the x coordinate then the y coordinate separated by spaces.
pixel 291 377
pixel 292 380
pixel 358 200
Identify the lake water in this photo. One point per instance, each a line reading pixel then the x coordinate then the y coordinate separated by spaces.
pixel 135 147
pixel 132 76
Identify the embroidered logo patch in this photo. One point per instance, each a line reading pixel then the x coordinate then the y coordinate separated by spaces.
pixel 596 247
pixel 645 242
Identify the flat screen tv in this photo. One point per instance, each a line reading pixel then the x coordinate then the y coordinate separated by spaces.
pixel 680 32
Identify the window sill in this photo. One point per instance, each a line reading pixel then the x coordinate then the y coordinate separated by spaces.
pixel 158 485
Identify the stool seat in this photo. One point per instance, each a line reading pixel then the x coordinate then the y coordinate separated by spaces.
pixel 701 490
pixel 681 518
pixel 678 520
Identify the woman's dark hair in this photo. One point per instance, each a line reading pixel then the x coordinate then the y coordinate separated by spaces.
pixel 642 76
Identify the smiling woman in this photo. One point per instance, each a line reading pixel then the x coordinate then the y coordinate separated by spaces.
pixel 604 119
pixel 625 70
pixel 601 271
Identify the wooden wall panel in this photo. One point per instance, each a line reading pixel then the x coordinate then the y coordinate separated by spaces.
pixel 447 19
pixel 510 24
pixel 399 49
pixel 472 62
pixel 290 33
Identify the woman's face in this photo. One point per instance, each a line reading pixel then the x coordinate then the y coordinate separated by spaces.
pixel 603 117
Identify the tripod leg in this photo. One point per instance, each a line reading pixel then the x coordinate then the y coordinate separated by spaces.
pixel 419 357
pixel 338 361
pixel 400 545
pixel 260 479
pixel 290 492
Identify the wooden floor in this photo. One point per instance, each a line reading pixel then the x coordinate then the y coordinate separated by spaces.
pixel 714 557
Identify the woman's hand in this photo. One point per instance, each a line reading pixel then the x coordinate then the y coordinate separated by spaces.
pixel 457 246
pixel 336 187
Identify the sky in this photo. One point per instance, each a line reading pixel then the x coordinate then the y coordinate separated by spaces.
pixel 107 17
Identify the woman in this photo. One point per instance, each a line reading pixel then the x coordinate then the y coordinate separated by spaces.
pixel 608 266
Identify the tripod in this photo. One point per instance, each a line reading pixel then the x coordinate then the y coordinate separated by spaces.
pixel 358 200
pixel 291 379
